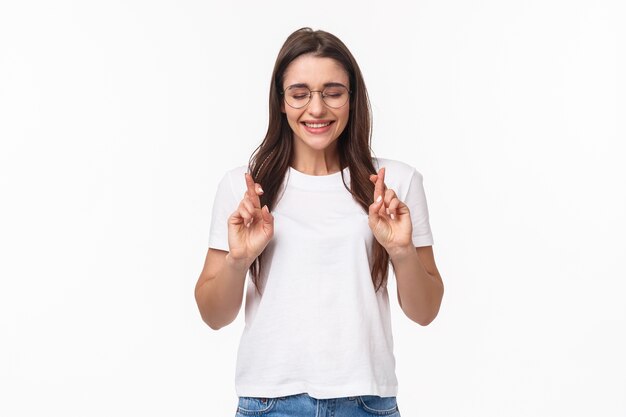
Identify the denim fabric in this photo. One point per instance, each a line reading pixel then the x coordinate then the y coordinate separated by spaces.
pixel 302 405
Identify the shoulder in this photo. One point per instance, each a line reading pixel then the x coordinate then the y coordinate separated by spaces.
pixel 396 172
pixel 236 171
pixel 233 179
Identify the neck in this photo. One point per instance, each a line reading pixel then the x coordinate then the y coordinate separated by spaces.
pixel 314 162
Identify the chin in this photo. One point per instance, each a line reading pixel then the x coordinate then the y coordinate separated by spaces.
pixel 318 143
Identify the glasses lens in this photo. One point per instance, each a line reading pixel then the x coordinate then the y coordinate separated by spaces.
pixel 335 96
pixel 297 97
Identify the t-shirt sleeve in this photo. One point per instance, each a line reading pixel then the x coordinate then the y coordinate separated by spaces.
pixel 416 201
pixel 224 204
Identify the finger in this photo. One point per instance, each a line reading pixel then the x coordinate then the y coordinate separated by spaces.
pixel 393 208
pixel 253 190
pixel 248 204
pixel 389 195
pixel 379 188
pixel 245 214
pixel 268 219
pixel 383 175
pixel 235 217
pixel 266 215
pixel 239 217
pixel 375 207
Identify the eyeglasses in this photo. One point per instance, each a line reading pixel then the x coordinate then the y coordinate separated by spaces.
pixel 334 96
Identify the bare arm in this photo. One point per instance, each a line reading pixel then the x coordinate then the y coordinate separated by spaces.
pixel 420 287
pixel 219 290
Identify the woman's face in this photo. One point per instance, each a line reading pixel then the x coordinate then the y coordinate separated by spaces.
pixel 316 125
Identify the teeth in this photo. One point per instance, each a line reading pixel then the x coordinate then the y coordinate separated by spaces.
pixel 316 125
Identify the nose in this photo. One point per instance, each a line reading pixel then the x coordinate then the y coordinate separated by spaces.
pixel 316 105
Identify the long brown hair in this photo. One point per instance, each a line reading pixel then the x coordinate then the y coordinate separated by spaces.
pixel 270 161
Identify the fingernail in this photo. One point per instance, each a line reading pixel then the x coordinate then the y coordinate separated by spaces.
pixel 392 216
pixel 260 189
pixel 380 197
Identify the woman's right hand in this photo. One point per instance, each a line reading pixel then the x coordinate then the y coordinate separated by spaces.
pixel 250 227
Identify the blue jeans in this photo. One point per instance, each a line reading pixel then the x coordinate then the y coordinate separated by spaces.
pixel 301 405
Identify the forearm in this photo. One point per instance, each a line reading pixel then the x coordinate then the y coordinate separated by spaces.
pixel 219 298
pixel 419 292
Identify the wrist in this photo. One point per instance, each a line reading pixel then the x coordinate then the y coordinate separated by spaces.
pixel 399 253
pixel 242 264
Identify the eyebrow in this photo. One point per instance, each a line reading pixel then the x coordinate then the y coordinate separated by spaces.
pixel 301 85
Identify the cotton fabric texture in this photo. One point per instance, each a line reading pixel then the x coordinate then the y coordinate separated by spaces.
pixel 318 326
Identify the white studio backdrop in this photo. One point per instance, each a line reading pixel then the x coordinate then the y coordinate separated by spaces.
pixel 118 118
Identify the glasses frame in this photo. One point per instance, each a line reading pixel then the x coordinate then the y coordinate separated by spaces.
pixel 282 93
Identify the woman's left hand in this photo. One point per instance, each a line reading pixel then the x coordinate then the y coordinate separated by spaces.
pixel 389 218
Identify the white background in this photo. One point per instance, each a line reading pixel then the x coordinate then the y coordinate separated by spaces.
pixel 118 118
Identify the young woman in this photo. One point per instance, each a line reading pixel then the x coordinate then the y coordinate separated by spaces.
pixel 315 220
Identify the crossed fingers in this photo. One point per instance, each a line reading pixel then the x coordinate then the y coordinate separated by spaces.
pixel 388 196
pixel 251 201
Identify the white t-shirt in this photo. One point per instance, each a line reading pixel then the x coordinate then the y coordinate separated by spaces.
pixel 318 327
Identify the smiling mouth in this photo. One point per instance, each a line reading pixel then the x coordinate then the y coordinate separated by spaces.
pixel 316 125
